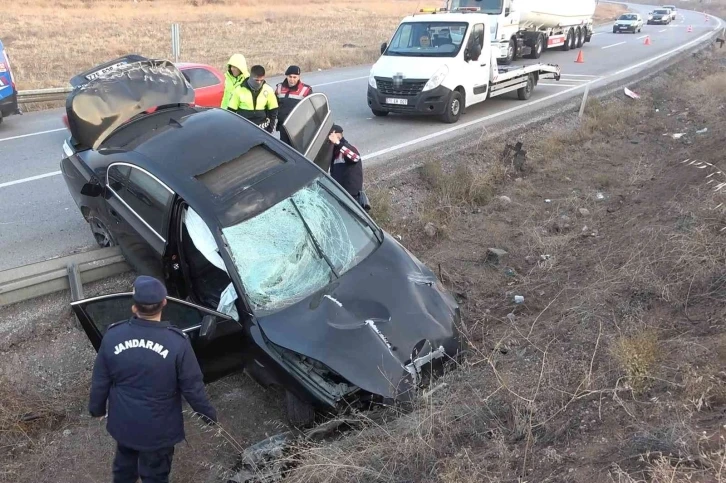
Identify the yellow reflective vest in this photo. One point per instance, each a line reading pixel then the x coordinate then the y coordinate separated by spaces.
pixel 259 106
pixel 231 82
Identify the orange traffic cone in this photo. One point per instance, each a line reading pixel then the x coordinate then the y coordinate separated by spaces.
pixel 647 40
pixel 690 29
pixel 580 58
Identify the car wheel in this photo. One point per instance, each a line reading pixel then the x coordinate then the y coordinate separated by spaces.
pixel 299 412
pixel 378 113
pixel 103 237
pixel 615 30
pixel 453 108
pixel 525 92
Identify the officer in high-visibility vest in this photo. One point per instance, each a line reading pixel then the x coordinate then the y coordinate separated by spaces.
pixel 255 100
pixel 235 75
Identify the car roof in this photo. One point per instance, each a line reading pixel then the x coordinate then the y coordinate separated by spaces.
pixel 182 145
pixel 192 65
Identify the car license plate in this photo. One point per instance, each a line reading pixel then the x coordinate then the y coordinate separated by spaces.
pixel 400 102
pixel 623 27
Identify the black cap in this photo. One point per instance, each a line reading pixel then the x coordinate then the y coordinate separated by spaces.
pixel 336 129
pixel 293 70
pixel 148 290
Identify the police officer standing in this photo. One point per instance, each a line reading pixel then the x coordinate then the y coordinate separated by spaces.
pixel 142 369
pixel 255 100
pixel 346 166
pixel 289 94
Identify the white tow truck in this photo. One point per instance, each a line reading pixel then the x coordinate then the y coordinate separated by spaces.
pixel 526 28
pixel 440 62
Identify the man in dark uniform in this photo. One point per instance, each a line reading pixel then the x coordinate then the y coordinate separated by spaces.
pixel 289 94
pixel 142 369
pixel 347 167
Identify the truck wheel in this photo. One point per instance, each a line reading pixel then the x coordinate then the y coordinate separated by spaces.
pixel 568 42
pixel 538 47
pixel 453 108
pixel 525 92
pixel 378 113
pixel 511 53
pixel 579 38
pixel 299 413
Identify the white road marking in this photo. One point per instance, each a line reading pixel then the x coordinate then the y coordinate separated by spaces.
pixel 340 81
pixel 661 31
pixel 474 122
pixel 32 178
pixel 556 85
pixel 64 129
pixel 32 134
pixel 613 45
pixel 642 36
pixel 578 75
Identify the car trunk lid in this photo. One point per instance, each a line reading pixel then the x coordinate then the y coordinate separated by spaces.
pixel 110 94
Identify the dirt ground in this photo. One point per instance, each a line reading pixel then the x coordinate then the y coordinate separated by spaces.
pixel 51 41
pixel 612 367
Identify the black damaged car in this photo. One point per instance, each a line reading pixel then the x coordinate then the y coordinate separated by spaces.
pixel 271 266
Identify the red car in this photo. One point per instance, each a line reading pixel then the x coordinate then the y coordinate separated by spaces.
pixel 207 82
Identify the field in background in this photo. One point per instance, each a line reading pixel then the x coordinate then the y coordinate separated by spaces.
pixel 51 41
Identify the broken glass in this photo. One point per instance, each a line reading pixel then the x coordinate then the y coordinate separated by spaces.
pixel 276 254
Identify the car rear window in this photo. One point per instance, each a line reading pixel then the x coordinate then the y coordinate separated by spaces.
pixel 226 178
pixel 199 78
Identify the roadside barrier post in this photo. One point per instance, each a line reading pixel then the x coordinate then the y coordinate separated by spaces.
pixel 584 100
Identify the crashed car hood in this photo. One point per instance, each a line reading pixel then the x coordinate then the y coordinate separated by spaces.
pixel 108 95
pixel 365 325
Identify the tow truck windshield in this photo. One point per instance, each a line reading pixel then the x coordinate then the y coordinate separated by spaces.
pixel 494 7
pixel 428 39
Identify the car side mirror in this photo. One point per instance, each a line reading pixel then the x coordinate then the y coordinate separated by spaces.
pixel 506 12
pixel 384 46
pixel 467 55
pixel 209 327
pixel 92 189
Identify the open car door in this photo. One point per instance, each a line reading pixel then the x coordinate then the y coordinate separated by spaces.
pixel 308 127
pixel 217 339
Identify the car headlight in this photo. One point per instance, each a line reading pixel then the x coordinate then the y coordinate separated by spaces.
pixel 372 81
pixel 437 78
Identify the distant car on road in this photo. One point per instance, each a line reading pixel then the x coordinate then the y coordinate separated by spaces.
pixel 8 92
pixel 672 8
pixel 661 16
pixel 207 82
pixel 628 22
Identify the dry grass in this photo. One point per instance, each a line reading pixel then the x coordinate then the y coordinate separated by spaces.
pixel 52 41
pixel 607 12
pixel 612 369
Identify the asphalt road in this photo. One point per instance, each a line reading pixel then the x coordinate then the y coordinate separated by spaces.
pixel 38 219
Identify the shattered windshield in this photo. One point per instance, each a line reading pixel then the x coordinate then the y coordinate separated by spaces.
pixel 299 246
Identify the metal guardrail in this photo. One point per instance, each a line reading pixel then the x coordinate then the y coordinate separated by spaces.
pixel 43 278
pixel 44 95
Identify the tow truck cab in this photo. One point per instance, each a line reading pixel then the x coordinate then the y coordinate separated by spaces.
pixel 8 92
pixel 441 62
pixel 436 64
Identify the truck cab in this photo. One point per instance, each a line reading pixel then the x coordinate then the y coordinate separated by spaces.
pixel 504 21
pixel 436 64
pixel 440 62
